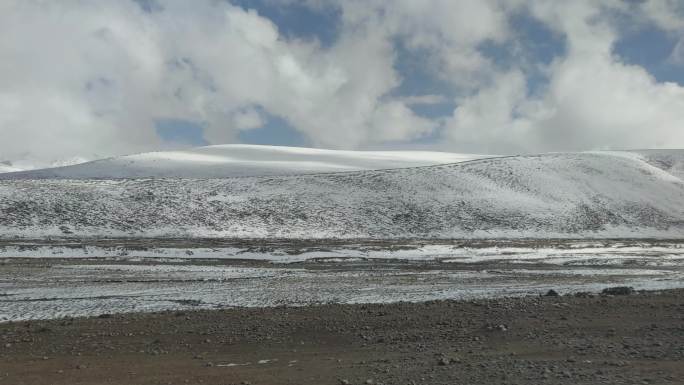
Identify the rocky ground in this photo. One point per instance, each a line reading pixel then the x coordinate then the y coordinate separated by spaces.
pixel 625 338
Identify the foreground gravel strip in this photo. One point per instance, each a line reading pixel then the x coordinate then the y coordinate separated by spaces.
pixel 635 338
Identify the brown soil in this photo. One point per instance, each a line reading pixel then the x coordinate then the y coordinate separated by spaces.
pixel 630 339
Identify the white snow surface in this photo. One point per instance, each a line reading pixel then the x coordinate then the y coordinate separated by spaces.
pixel 594 195
pixel 5 168
pixel 236 160
pixel 28 164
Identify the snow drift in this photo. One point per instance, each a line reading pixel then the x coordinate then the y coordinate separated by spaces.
pixel 553 195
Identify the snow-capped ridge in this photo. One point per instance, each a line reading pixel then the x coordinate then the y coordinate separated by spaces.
pixel 221 161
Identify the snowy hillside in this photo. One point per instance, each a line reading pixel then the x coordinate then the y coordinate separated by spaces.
pixel 241 160
pixel 552 195
pixel 670 160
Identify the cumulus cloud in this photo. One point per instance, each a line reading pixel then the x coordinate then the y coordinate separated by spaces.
pixel 447 33
pixel 85 78
pixel 65 74
pixel 93 77
pixel 593 99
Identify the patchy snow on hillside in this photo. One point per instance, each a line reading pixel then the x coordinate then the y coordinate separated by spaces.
pixel 234 160
pixel 552 195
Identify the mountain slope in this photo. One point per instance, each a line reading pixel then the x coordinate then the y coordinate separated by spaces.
pixel 241 160
pixel 671 161
pixel 551 195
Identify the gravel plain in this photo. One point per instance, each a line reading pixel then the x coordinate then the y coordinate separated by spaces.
pixel 620 338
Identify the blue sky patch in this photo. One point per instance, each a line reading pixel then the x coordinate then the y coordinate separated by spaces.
pixel 651 48
pixel 276 131
pixel 180 131
pixel 299 21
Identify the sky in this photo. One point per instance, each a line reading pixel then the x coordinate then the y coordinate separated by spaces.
pixel 91 79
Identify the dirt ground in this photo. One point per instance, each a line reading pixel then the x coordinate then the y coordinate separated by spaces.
pixel 588 339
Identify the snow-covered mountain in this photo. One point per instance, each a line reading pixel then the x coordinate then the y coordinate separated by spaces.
pixel 241 160
pixel 33 164
pixel 552 195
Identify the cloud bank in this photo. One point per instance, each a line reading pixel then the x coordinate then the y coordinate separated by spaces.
pixel 83 78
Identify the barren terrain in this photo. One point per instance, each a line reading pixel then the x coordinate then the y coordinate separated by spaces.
pixel 574 339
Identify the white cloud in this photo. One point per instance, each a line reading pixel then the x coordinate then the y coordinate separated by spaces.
pixel 82 78
pixel 78 78
pixel 486 122
pixel 593 100
pixel 63 74
pixel 601 103
pixel 394 121
pixel 668 14
pixel 447 33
